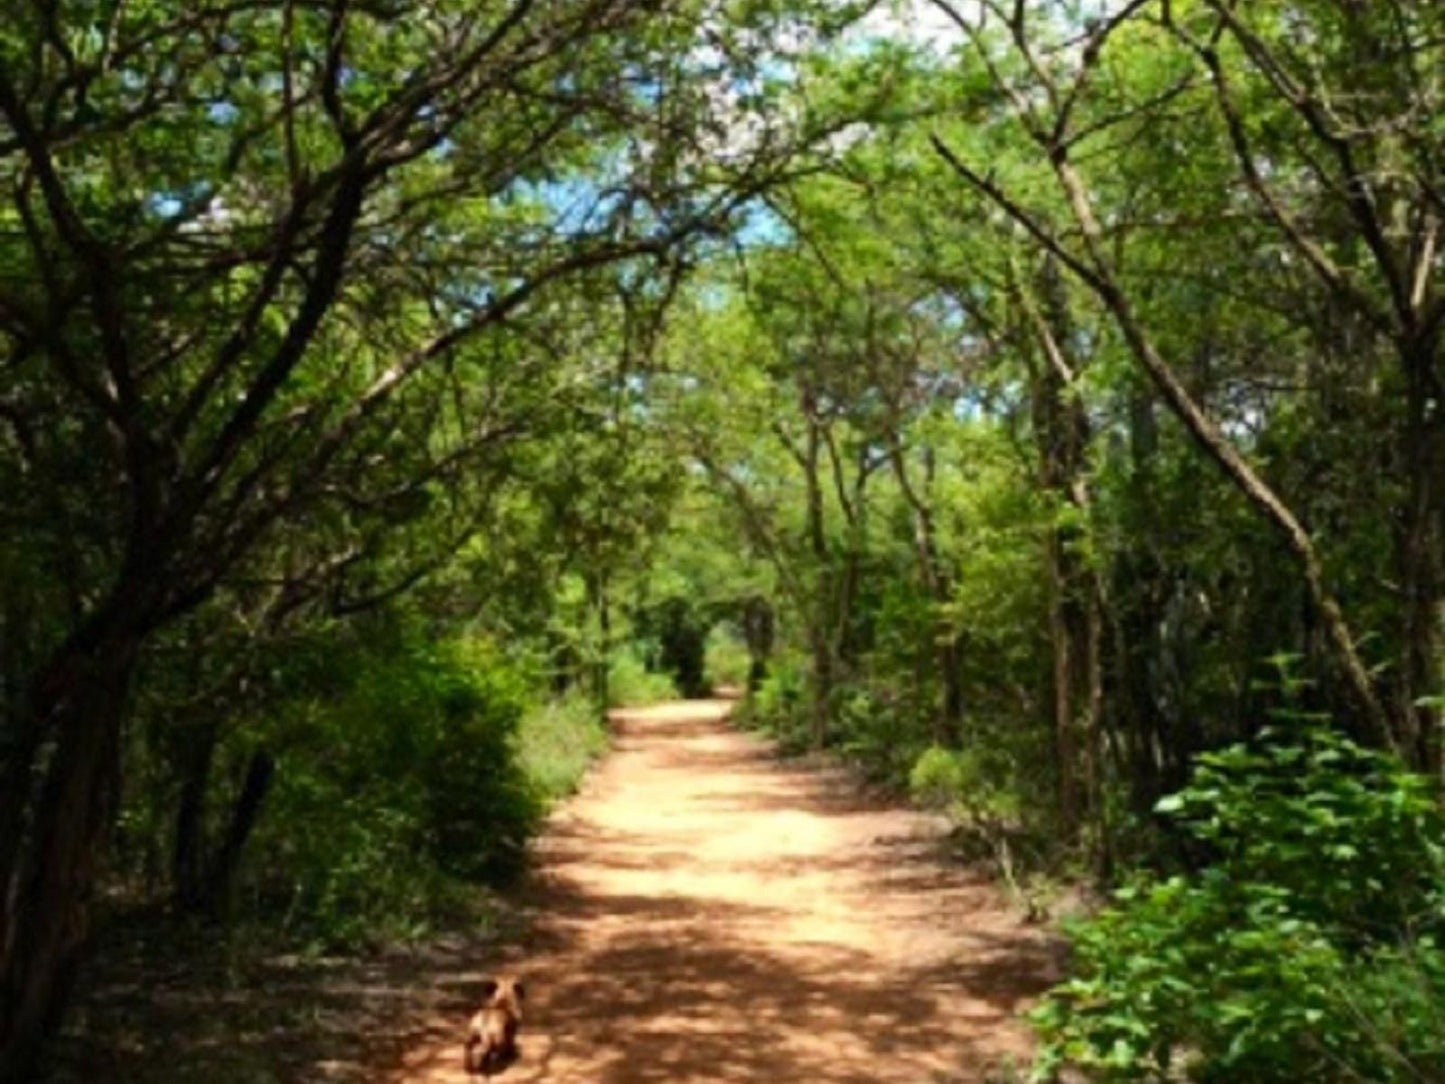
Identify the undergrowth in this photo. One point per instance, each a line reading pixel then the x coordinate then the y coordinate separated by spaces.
pixel 557 740
pixel 1305 948
pixel 630 684
pixel 425 778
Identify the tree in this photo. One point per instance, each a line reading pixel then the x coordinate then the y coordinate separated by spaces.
pixel 1057 121
pixel 245 248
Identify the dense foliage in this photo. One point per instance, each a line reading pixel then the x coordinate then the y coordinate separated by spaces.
pixel 408 770
pixel 1306 946
pixel 987 388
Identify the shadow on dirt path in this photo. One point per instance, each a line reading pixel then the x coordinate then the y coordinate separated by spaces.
pixel 701 912
pixel 705 912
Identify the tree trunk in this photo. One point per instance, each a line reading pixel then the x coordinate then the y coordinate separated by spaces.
pixel 821 641
pixel 203 881
pixel 758 634
pixel 1061 433
pixel 822 686
pixel 1091 726
pixel 1065 755
pixel 1075 630
pixel 221 871
pixel 1421 535
pixel 79 698
pixel 188 869
pixel 948 709
pixel 17 785
pixel 1137 592
pixel 601 664
pixel 951 700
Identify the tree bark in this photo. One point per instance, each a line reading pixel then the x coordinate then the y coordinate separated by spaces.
pixel 1061 434
pixel 601 663
pixel 821 643
pixel 1062 650
pixel 202 881
pixel 758 634
pixel 221 871
pixel 948 709
pixel 80 698
pixel 1421 535
pixel 1137 591
pixel 188 869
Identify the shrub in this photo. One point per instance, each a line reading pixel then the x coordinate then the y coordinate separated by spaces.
pixel 556 742
pixel 780 703
pixel 395 792
pixel 480 807
pixel 1305 949
pixel 631 684
pixel 876 734
pixel 967 784
pixel 725 659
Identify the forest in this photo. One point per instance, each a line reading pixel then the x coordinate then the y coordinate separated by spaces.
pixel 1038 405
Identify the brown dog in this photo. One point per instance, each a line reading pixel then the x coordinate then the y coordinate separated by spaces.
pixel 492 1032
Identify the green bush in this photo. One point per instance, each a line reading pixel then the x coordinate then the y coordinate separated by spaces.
pixel 556 742
pixel 967 784
pixel 1306 948
pixel 481 808
pixel 780 704
pixel 876 733
pixel 725 659
pixel 630 684
pixel 394 793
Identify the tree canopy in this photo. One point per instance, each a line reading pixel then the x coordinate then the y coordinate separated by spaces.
pixel 1032 396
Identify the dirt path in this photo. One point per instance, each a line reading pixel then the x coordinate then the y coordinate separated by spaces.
pixel 705 912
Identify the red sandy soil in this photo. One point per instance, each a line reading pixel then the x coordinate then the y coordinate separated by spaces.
pixel 704 911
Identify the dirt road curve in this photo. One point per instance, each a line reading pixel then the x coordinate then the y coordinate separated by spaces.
pixel 706 912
